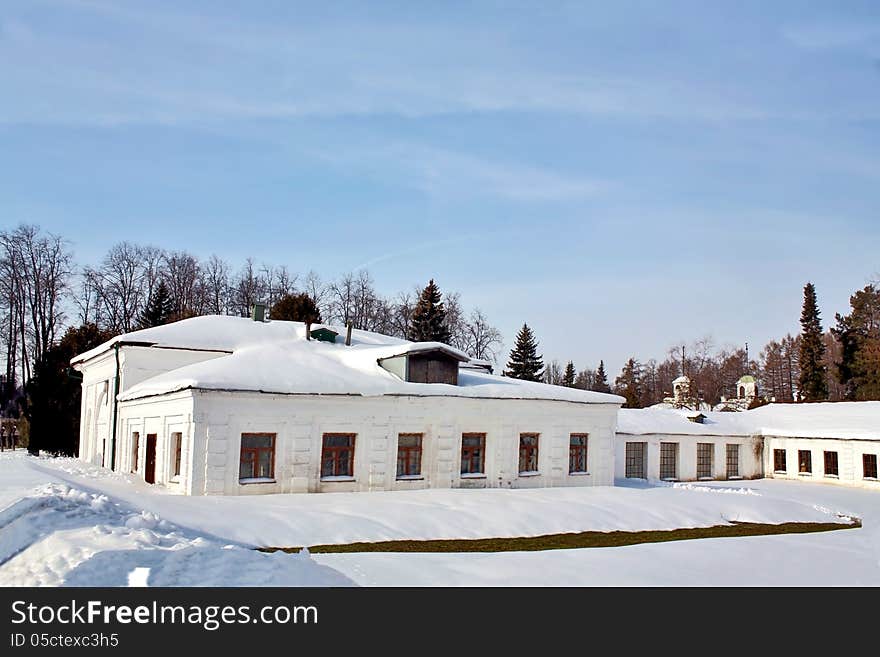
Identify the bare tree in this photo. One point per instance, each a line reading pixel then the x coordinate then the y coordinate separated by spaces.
pixel 553 373
pixel 248 288
pixel 183 280
pixel 482 340
pixel 215 286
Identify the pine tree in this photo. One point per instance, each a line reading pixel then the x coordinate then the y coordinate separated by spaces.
pixel 628 384
pixel 428 323
pixel 812 383
pixel 859 337
pixel 159 309
pixel 569 376
pixel 296 308
pixel 525 363
pixel 601 383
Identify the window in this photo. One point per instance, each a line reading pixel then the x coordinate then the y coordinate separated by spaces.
pixel 668 460
pixel 705 451
pixel 635 460
pixel 409 455
pixel 257 457
pixel 337 457
pixel 732 461
pixel 473 453
pixel 577 452
pixel 176 446
pixel 869 466
pixel 805 461
pixel 528 452
pixel 135 450
pixel 831 464
pixel 779 460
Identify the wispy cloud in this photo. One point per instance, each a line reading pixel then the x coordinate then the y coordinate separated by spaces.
pixel 444 173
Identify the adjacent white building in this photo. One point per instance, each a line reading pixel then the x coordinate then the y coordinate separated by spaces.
pixel 837 443
pixel 826 442
pixel 686 445
pixel 228 405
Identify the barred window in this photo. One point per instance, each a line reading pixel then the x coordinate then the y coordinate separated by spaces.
pixel 337 455
pixel 869 466
pixel 831 464
pixel 577 452
pixel 635 460
pixel 668 460
pixel 780 463
pixel 528 452
pixel 473 453
pixel 257 456
pixel 409 454
pixel 805 461
pixel 705 451
pixel 732 461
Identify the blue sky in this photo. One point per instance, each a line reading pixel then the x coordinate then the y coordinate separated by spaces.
pixel 623 176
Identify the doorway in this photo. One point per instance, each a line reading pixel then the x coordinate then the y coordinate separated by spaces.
pixel 150 465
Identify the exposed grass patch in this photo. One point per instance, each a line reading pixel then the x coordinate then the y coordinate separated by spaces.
pixel 576 540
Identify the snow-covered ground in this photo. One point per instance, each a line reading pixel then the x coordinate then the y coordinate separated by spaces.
pixel 63 522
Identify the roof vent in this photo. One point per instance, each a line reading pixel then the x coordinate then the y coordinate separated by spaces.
pixel 258 312
pixel 323 334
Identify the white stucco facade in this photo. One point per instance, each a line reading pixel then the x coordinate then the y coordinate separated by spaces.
pixel 211 424
pixel 850 460
pixel 749 455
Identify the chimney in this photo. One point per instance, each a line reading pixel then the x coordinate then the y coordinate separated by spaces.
pixel 348 334
pixel 258 312
pixel 308 330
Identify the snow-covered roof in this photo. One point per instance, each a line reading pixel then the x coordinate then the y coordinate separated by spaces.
pixel 641 421
pixel 746 378
pixel 849 420
pixel 682 379
pixel 275 357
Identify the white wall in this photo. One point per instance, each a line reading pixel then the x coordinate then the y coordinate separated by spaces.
pixel 849 458
pixel 299 422
pixel 750 460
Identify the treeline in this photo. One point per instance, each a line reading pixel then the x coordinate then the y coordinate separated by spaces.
pixel 42 292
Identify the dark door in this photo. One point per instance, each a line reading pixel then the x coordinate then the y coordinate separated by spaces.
pixel 150 467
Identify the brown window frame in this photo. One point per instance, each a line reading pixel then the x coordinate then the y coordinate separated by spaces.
pixel 255 452
pixel 136 445
pixel 578 453
pixel 668 460
pixel 731 460
pixel 334 453
pixel 528 453
pixel 409 456
pixel 866 468
pixel 780 455
pixel 468 455
pixel 177 438
pixel 805 461
pixel 705 450
pixel 832 464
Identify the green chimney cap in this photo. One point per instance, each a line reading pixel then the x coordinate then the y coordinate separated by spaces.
pixel 324 335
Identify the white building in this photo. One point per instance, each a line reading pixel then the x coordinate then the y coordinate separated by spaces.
pixel 228 405
pixel 682 445
pixel 835 443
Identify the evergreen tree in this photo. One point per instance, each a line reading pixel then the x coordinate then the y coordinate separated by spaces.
pixel 428 323
pixel 628 384
pixel 296 308
pixel 812 383
pixel 568 378
pixel 159 309
pixel 54 393
pixel 525 363
pixel 601 383
pixel 859 336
